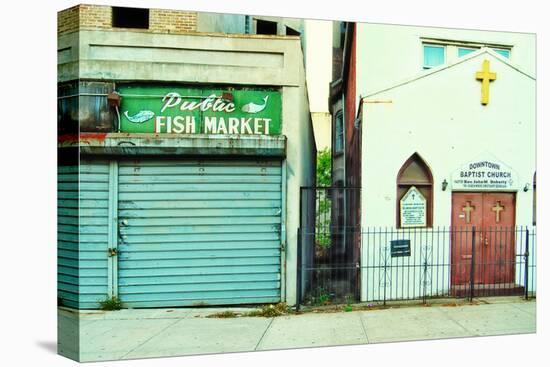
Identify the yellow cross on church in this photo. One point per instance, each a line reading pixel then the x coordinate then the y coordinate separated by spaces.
pixel 485 76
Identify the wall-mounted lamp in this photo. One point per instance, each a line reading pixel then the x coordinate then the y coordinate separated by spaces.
pixel 444 185
pixel 114 99
pixel 526 187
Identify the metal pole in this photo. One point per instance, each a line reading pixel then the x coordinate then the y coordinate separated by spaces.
pixel 425 280
pixel 527 264
pixel 299 270
pixel 472 269
pixel 359 253
pixel 385 263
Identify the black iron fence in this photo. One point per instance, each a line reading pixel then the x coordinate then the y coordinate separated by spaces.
pixel 385 264
pixel 329 243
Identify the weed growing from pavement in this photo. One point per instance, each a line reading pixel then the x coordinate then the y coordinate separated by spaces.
pixel 279 309
pixel 282 309
pixel 224 315
pixel 272 310
pixel 322 298
pixel 110 304
pixel 348 307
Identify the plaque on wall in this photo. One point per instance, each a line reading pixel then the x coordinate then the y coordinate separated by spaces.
pixel 400 248
pixel 412 209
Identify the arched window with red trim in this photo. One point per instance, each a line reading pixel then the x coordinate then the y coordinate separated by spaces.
pixel 415 172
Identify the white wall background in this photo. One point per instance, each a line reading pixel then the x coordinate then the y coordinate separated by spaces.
pixel 318 63
pixel 387 54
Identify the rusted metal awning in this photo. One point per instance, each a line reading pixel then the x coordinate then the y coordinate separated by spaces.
pixel 175 144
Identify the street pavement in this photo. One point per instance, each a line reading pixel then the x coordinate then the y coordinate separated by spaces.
pixel 130 334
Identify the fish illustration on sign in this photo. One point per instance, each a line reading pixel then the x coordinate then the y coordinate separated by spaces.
pixel 255 108
pixel 140 117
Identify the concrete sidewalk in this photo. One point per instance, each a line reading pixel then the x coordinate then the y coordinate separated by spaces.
pixel 129 334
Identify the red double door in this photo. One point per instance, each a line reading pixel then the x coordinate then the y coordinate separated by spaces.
pixel 493 245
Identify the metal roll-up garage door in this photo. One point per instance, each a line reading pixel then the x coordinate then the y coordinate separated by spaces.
pixel 199 232
pixel 83 214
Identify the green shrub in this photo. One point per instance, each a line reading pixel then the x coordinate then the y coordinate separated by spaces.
pixel 110 304
pixel 324 170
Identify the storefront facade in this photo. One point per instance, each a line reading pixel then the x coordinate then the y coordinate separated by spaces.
pixel 191 151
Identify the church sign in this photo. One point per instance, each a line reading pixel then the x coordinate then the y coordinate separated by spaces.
pixel 400 248
pixel 412 209
pixel 176 110
pixel 486 173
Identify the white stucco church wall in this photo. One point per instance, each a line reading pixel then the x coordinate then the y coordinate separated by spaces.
pixel 387 54
pixel 438 115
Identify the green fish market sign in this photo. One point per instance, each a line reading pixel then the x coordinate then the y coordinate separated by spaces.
pixel 175 110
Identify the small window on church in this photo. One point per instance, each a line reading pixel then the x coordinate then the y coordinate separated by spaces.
pixel 503 52
pixel 434 55
pixel 463 51
pixel 414 194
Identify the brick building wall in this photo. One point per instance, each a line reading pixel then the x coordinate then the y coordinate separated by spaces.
pixel 95 17
pixel 67 20
pixel 350 91
pixel 172 21
pixel 100 17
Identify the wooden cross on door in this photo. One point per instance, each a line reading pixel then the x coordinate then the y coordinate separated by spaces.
pixel 468 209
pixel 497 209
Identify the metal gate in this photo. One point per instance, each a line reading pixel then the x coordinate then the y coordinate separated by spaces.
pixel 329 245
pixel 199 232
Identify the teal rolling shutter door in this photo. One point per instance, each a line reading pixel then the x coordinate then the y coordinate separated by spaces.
pixel 199 232
pixel 67 235
pixel 82 233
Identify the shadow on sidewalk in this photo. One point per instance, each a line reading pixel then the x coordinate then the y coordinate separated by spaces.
pixel 48 345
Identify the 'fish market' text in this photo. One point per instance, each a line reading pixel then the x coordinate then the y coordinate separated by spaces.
pixel 212 125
